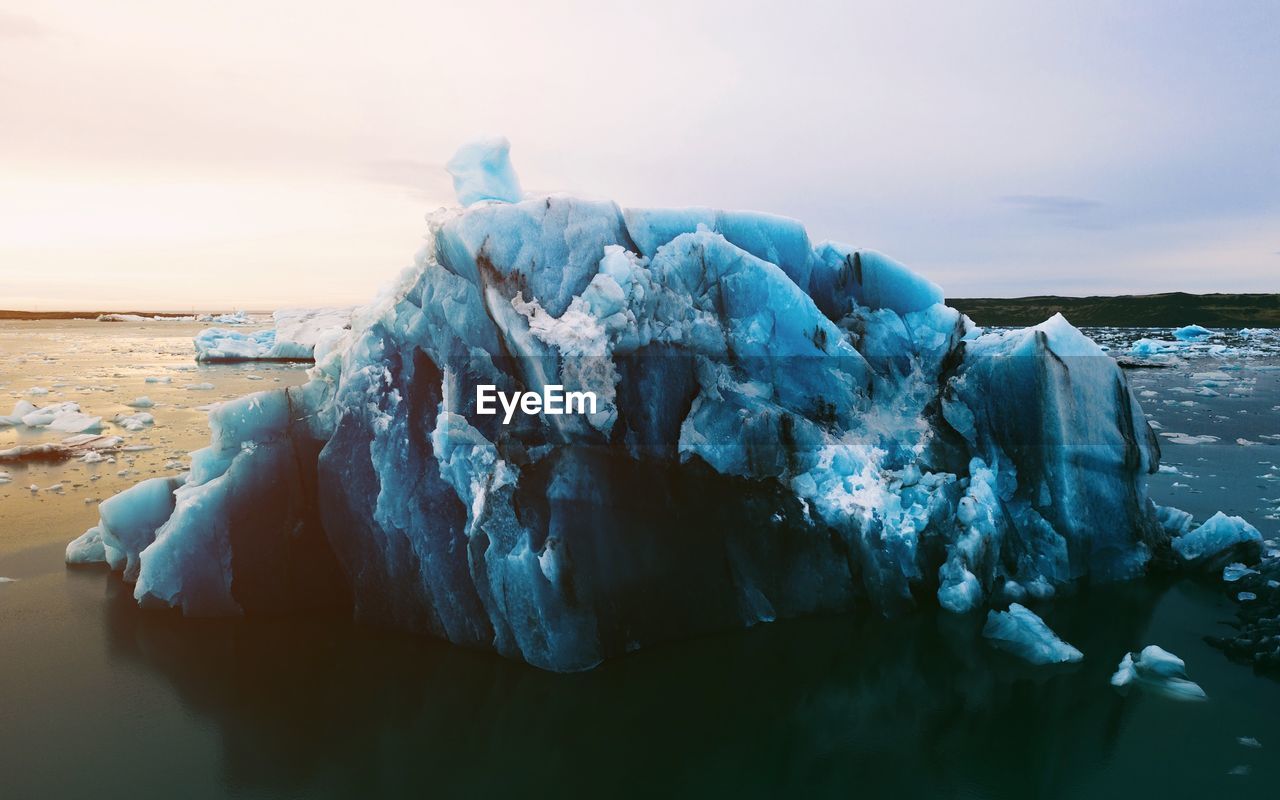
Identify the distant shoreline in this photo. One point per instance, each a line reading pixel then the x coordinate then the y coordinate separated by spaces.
pixel 1166 310
pixel 8 314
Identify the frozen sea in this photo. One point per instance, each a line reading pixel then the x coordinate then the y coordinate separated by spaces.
pixel 100 699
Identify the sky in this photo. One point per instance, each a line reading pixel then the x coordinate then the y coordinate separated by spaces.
pixel 210 155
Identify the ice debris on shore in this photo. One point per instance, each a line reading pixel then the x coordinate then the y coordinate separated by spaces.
pixel 784 429
pixel 1158 671
pixel 1020 631
pixel 296 335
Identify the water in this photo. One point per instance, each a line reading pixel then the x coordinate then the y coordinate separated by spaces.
pixel 99 698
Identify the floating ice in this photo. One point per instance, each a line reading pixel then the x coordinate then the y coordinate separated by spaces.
pixel 1186 438
pixel 1021 631
pixel 70 447
pixel 134 422
pixel 1235 571
pixel 1218 542
pixel 234 318
pixel 782 430
pixel 1159 671
pixel 88 549
pixel 61 417
pixel 482 170
pixel 221 344
pixel 141 402
pixel 1192 333
pixel 295 336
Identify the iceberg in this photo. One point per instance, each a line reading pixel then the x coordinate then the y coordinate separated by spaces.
pixel 1218 542
pixel 781 429
pixel 1021 631
pixel 296 334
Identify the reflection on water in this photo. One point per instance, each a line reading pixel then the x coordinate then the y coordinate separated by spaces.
pixel 823 706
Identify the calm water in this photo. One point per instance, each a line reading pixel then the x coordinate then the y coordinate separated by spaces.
pixel 100 699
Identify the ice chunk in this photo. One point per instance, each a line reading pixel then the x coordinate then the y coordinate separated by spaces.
pixel 134 422
pixel 20 409
pixel 296 333
pixel 868 278
pixel 141 402
pixel 70 447
pixel 234 318
pixel 88 548
pixel 62 417
pixel 300 330
pixel 1055 412
pixel 129 521
pixel 1175 521
pixel 242 504
pixel 1021 631
pixel 1159 671
pixel 482 170
pixel 1192 333
pixel 220 344
pixel 1235 571
pixel 769 237
pixel 1218 542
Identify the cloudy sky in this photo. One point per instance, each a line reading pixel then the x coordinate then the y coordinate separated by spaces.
pixel 171 155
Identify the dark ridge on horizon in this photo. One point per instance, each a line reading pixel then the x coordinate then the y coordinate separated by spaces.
pixel 1166 310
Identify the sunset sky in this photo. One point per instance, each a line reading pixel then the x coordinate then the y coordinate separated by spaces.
pixel 174 155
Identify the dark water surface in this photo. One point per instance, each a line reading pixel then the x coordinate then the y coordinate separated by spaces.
pixel 99 699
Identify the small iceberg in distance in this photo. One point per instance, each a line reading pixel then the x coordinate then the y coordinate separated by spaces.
pixel 295 337
pixel 1192 333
